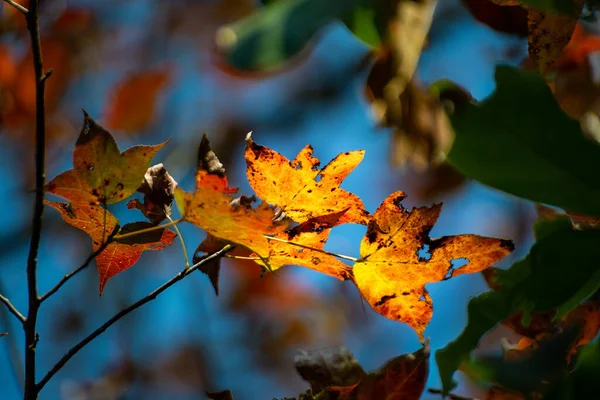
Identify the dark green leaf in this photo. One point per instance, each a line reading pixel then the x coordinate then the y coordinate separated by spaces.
pixel 561 6
pixel 276 33
pixel 521 141
pixel 583 382
pixel 561 269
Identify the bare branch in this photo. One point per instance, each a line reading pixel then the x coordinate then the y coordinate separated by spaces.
pixel 31 336
pixel 12 309
pixel 17 6
pixel 75 349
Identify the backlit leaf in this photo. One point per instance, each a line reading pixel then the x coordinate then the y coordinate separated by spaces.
pixel 392 273
pixel 210 208
pixel 300 187
pixel 101 172
pixel 100 224
pixel 312 235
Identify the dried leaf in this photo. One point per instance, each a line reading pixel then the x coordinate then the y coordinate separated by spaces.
pixel 101 172
pixel 392 273
pixel 300 187
pixel 339 376
pixel 100 224
pixel 209 208
pixel 158 188
pixel 131 107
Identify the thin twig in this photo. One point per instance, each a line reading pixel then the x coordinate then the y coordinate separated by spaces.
pixel 31 336
pixel 75 349
pixel 145 230
pixel 185 254
pixel 12 309
pixel 312 248
pixel 17 6
pixel 13 348
pixel 87 262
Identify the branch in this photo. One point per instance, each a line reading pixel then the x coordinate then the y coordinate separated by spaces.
pixel 12 309
pixel 17 6
pixel 75 349
pixel 87 262
pixel 31 336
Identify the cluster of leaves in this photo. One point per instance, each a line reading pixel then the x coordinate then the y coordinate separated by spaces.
pixel 301 204
pixel 534 138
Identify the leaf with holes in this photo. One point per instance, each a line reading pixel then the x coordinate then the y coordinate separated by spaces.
pixel 101 173
pixel 300 187
pixel 210 207
pixel 392 274
pixel 101 225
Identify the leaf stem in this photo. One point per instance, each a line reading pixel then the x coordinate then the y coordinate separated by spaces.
pixel 75 349
pixel 12 309
pixel 145 230
pixel 312 248
pixel 17 6
pixel 185 254
pixel 77 270
pixel 243 258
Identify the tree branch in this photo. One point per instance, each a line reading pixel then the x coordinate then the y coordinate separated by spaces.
pixel 12 309
pixel 31 336
pixel 87 262
pixel 17 6
pixel 75 349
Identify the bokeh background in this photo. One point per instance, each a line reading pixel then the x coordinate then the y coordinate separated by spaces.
pixel 147 70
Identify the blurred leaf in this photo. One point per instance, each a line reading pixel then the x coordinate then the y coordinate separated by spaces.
pixel 101 172
pixel 507 19
pixel 583 382
pixel 132 105
pixel 222 395
pixel 520 141
pixel 100 224
pixel 301 188
pixel 278 32
pixel 531 372
pixel 339 376
pixel 392 273
pixel 559 272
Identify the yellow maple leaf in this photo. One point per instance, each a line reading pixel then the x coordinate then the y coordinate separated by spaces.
pixel 210 207
pixel 300 187
pixel 392 275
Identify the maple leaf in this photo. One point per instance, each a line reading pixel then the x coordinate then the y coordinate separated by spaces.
pixel 302 245
pixel 101 172
pixel 300 187
pixel 132 105
pixel 391 274
pixel 101 225
pixel 210 208
pixel 158 189
pixel 337 375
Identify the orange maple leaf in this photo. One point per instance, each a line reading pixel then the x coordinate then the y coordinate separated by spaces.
pixel 391 274
pixel 210 207
pixel 101 225
pixel 302 246
pixel 132 105
pixel 101 172
pixel 300 188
